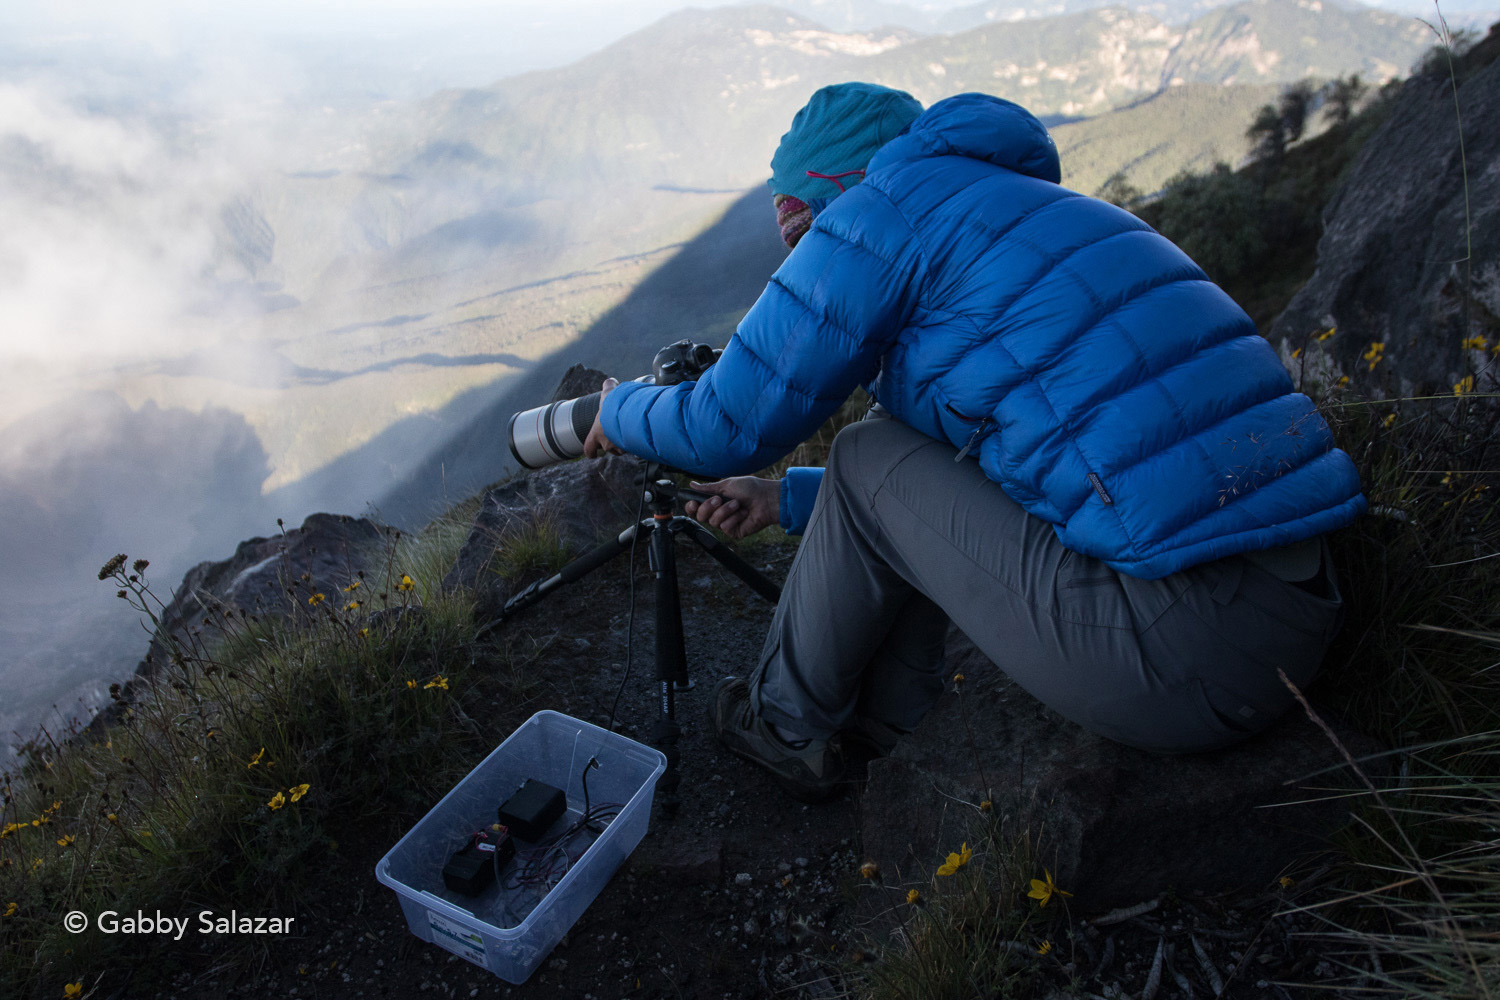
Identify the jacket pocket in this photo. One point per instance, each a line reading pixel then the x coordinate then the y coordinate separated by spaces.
pixel 982 426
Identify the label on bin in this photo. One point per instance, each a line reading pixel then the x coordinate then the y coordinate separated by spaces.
pixel 457 938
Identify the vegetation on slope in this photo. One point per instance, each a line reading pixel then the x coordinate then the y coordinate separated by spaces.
pixel 230 781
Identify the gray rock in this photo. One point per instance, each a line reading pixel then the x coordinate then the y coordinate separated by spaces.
pixel 577 504
pixel 1120 825
pixel 263 578
pixel 1388 267
pixel 275 576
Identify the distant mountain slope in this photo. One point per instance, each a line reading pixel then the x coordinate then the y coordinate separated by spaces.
pixel 869 15
pixel 1263 40
pixel 699 100
pixel 1183 128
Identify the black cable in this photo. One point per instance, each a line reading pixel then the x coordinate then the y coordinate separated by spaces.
pixel 640 511
pixel 593 762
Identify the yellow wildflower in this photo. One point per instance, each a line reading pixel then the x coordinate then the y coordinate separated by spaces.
pixel 956 861
pixel 412 685
pixel 364 631
pixel 1463 385
pixel 1287 881
pixel 256 759
pixel 1474 344
pixel 1343 380
pixel 1044 891
pixel 66 840
pixel 299 791
pixel 1045 948
pixel 870 870
pixel 55 807
pixel 277 801
pixel 351 606
pixel 1374 353
pixel 406 583
pixel 1327 333
pixel 113 819
pixel 352 586
pixel 71 990
pixel 36 864
pixel 1390 419
pixel 1296 353
pixel 10 910
pixel 913 898
pixel 441 682
pixel 986 806
pixel 316 599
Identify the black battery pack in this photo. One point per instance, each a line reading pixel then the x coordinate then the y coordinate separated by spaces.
pixel 532 809
pixel 472 869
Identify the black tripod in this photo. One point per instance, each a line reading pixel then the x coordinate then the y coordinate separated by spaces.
pixel 664 526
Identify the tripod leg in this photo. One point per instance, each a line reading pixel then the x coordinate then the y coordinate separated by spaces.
pixel 671 656
pixel 578 568
pixel 726 557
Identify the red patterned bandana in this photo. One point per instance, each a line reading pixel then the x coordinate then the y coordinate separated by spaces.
pixel 794 218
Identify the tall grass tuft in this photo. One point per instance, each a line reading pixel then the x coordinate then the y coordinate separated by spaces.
pixel 1419 911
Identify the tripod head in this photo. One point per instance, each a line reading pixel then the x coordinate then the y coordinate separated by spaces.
pixel 662 495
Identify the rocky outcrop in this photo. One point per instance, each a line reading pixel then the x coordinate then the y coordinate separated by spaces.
pixel 561 510
pixel 1391 266
pixel 1118 826
pixel 273 576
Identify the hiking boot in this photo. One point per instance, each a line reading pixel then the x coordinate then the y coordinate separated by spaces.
pixel 865 741
pixel 810 770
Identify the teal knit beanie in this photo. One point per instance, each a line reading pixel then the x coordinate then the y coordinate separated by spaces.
pixel 838 132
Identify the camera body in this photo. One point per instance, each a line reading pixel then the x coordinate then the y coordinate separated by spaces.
pixel 546 435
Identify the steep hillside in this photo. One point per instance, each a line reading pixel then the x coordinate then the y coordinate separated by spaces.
pixel 1182 128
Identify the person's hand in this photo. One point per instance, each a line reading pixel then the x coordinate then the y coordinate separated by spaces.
pixel 596 443
pixel 741 506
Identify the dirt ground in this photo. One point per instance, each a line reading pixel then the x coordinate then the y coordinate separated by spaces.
pixel 743 892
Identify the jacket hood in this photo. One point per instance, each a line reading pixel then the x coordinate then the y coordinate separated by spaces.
pixel 980 127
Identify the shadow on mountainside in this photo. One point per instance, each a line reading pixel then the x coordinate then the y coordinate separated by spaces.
pixel 700 293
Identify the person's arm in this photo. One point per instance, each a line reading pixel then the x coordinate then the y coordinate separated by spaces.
pixel 819 329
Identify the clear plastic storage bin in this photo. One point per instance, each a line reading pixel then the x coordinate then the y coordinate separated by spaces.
pixel 510 931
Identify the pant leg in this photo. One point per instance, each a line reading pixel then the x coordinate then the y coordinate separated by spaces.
pixel 1169 664
pixel 851 637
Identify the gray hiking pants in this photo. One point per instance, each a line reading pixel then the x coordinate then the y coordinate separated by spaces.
pixel 903 539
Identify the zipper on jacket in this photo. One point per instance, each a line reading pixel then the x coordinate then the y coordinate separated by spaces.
pixel 973 440
pixel 974 437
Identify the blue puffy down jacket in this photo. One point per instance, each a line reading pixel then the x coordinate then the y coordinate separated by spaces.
pixel 1101 379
